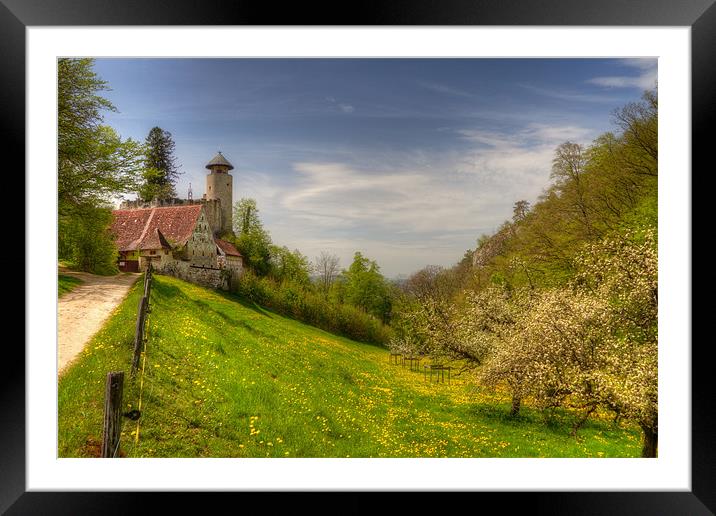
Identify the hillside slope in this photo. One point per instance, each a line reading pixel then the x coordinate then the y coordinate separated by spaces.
pixel 225 378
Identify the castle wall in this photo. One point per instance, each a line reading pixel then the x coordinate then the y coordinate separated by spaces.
pixel 156 203
pixel 206 277
pixel 212 208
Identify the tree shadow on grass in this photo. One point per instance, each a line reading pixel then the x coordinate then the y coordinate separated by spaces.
pixel 168 291
pixel 246 303
pixel 500 413
pixel 236 321
pixel 556 421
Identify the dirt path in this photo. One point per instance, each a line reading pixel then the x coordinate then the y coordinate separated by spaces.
pixel 83 311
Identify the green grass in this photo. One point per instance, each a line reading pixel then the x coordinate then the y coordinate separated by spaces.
pixel 66 284
pixel 226 378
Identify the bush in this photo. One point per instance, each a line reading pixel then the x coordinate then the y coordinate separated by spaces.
pixel 85 241
pixel 299 303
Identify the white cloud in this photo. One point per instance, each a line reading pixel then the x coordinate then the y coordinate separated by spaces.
pixel 449 90
pixel 645 80
pixel 569 96
pixel 555 134
pixel 344 107
pixel 489 138
pixel 531 134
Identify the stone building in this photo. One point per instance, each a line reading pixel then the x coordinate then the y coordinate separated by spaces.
pixel 217 200
pixel 182 237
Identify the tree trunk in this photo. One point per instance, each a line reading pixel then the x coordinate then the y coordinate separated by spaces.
pixel 516 402
pixel 583 420
pixel 651 441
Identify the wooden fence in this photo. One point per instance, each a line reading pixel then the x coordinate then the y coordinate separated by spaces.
pixel 112 425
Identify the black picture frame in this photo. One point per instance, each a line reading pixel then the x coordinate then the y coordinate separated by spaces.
pixel 700 15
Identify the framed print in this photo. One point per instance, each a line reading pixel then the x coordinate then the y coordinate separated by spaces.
pixel 424 56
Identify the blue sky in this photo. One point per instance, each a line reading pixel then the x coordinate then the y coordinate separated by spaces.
pixel 406 160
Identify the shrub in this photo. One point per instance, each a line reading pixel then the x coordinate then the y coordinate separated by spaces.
pixel 293 300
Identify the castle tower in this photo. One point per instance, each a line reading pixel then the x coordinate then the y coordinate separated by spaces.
pixel 219 185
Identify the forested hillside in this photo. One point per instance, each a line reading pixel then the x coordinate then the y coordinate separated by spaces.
pixel 560 306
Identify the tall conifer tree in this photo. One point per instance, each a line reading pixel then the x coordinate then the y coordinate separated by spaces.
pixel 161 172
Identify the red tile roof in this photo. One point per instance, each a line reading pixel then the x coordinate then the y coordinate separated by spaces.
pixel 154 228
pixel 154 240
pixel 227 247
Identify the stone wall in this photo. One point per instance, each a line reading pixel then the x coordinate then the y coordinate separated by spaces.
pixel 206 277
pixel 159 259
pixel 156 203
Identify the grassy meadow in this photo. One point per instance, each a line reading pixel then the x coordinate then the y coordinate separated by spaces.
pixel 226 378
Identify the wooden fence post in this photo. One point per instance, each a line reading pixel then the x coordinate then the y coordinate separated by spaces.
pixel 147 285
pixel 139 334
pixel 112 414
pixel 149 280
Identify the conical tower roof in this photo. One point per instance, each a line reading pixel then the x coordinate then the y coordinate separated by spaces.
pixel 219 159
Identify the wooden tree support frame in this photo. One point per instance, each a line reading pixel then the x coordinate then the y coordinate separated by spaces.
pixel 413 362
pixel 439 370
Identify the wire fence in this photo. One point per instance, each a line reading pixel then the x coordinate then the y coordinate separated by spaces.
pixel 114 417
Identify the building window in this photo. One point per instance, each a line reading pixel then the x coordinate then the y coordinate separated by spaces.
pixel 152 252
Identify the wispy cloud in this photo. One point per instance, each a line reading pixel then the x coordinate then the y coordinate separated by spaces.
pixel 342 106
pixel 444 88
pixel 645 78
pixel 530 135
pixel 569 96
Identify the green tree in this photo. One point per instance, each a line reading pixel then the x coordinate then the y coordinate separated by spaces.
pixel 94 164
pixel 246 216
pixel 366 287
pixel 161 171
pixel 568 171
pixel 252 240
pixel 290 266
pixel 91 247
pixel 520 210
